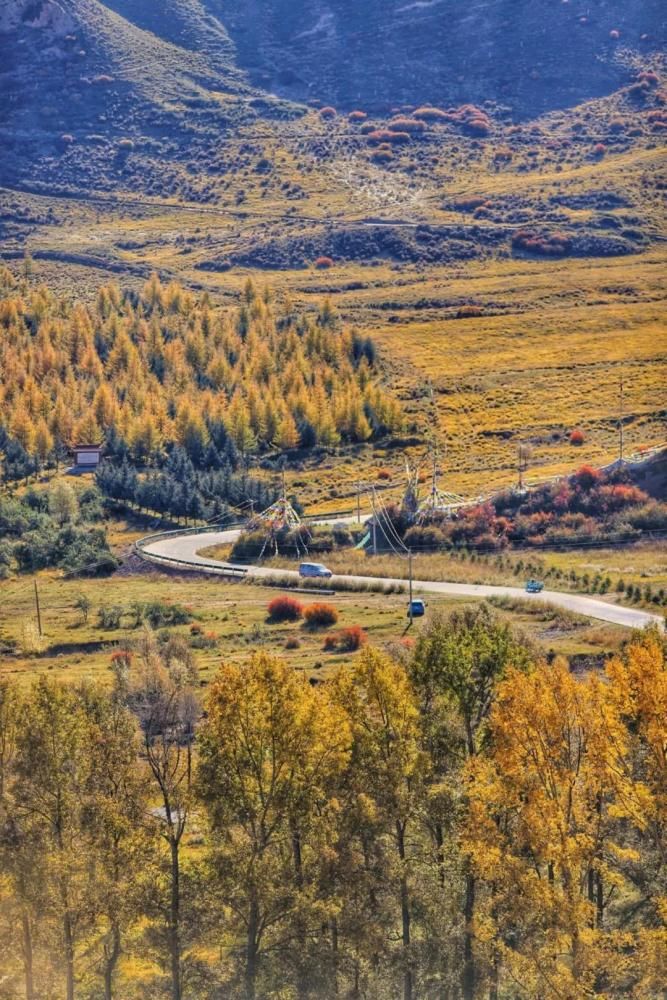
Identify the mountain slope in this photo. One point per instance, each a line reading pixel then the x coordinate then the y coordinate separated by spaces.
pixel 532 55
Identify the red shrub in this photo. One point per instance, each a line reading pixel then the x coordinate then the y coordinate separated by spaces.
pixel 503 154
pixel 469 312
pixel 328 112
pixel 322 263
pixel 470 204
pixel 599 149
pixel 285 609
pixel 383 474
pixel 406 125
pixel 320 615
pixel 382 155
pixel 357 116
pixel 586 477
pixel 379 135
pixel 347 640
pixel 428 114
pixel 577 437
pixel 478 126
pixel 614 34
pixel 121 658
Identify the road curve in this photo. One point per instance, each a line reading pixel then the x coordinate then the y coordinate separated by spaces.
pixel 186 547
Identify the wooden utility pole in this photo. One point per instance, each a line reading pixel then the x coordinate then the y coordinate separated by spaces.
pixel 620 420
pixel 375 539
pixel 523 456
pixel 410 585
pixel 358 485
pixel 39 614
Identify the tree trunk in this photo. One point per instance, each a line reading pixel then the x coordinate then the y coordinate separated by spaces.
pixel 68 937
pixel 27 957
pixel 175 921
pixel 599 900
pixel 334 955
pixel 111 956
pixel 468 973
pixel 302 990
pixel 440 853
pixel 251 951
pixel 405 914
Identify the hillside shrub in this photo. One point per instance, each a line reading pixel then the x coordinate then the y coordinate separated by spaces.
pixel 412 125
pixel 285 609
pixel 320 615
pixel 380 135
pixel 549 244
pixel 322 263
pixel 577 437
pixel 469 311
pixel 347 640
pixel 328 112
pixel 428 114
pixel 357 116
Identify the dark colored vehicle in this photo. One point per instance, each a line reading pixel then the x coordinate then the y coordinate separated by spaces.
pixel 534 587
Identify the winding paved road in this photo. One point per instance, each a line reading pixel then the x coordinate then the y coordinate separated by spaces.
pixel 185 548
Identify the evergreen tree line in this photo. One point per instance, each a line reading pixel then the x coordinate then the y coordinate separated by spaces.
pixel 182 490
pixel 454 821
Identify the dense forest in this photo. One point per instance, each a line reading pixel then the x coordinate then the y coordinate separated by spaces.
pixel 162 368
pixel 451 819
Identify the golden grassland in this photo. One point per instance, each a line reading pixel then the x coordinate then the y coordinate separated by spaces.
pixel 553 336
pixel 235 613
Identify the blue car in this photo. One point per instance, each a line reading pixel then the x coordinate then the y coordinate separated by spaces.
pixel 416 608
pixel 534 587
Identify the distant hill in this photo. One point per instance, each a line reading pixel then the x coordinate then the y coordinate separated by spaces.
pixel 533 55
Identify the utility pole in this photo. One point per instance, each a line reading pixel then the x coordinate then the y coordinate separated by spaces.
pixel 620 420
pixel 523 456
pixel 358 485
pixel 410 585
pixel 375 538
pixel 39 614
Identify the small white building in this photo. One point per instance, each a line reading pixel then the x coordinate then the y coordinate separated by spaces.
pixel 87 456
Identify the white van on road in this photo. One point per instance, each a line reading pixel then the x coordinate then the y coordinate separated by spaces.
pixel 314 569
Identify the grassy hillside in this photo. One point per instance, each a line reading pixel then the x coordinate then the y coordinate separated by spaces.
pixel 514 268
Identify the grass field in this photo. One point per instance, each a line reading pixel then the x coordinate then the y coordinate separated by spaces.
pixel 233 617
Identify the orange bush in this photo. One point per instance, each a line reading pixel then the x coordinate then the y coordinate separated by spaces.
pixel 357 116
pixel 428 114
pixel 285 609
pixel 328 112
pixel 347 640
pixel 379 135
pixel 577 437
pixel 406 125
pixel 320 615
pixel 322 263
pixel 469 311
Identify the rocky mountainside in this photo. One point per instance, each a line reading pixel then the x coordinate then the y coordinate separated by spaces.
pixel 532 55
